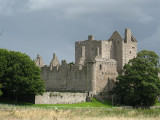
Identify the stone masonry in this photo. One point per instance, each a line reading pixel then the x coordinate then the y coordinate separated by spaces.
pixel 97 64
pixel 60 98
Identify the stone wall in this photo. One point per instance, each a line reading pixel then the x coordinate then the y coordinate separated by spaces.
pixel 106 73
pixel 66 77
pixel 60 98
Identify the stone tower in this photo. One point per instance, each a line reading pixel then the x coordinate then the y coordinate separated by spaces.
pixel 129 47
pixel 117 48
pixel 39 61
pixel 54 62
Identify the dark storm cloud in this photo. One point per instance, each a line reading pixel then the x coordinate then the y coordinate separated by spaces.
pixel 47 26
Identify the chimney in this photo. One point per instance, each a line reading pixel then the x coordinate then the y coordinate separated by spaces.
pixel 90 37
pixel 128 35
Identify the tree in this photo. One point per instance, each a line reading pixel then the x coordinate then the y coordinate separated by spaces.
pixel 19 75
pixel 0 89
pixel 139 84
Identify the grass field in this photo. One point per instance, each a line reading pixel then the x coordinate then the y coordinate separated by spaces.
pixel 94 110
pixel 93 104
pixel 10 112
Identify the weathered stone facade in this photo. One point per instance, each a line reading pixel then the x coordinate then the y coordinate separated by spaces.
pixel 60 98
pixel 97 64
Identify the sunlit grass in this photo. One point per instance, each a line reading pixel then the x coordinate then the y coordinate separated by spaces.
pixel 93 104
pixel 10 112
pixel 157 104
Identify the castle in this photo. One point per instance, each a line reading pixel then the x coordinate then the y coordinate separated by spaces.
pixel 97 64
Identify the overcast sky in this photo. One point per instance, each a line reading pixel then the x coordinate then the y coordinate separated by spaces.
pixel 53 26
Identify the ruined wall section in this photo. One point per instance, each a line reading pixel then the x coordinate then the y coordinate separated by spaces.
pixel 92 49
pixel 66 77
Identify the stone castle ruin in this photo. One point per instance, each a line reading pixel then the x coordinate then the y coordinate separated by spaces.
pixel 97 64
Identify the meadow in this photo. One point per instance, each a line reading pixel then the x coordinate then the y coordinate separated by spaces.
pixel 10 112
pixel 94 110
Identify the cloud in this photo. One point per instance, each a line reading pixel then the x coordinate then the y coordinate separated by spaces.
pixel 40 4
pixel 82 9
pixel 152 43
pixel 49 23
pixel 6 7
pixel 75 9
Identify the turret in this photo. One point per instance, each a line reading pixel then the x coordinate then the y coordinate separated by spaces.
pixel 54 61
pixel 39 61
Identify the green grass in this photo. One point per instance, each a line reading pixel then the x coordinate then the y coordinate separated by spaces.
pixel 94 103
pixel 157 104
pixel 85 111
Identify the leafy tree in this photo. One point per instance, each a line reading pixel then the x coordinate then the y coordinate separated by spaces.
pixel 19 75
pixel 0 89
pixel 139 84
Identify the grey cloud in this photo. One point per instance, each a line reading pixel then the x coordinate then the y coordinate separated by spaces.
pixel 153 42
pixel 72 9
pixel 6 7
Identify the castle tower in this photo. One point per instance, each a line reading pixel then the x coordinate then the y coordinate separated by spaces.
pixel 116 43
pixel 91 77
pixel 87 50
pixel 129 47
pixel 54 61
pixel 39 61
